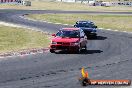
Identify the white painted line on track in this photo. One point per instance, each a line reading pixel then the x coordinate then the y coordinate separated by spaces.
pixel 115 30
pixel 49 22
pixel 101 28
pixel 124 31
pixel 58 23
pixel 65 24
pixel 9 24
pixel 108 29
pixel 44 21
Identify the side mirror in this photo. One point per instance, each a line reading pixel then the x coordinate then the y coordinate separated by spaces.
pixel 75 25
pixel 54 35
pixel 95 26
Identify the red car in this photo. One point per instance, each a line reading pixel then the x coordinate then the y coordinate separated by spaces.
pixel 71 39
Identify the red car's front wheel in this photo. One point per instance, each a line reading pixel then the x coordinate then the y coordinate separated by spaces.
pixel 78 50
pixel 52 51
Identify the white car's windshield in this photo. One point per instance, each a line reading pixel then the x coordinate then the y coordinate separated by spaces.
pixel 85 25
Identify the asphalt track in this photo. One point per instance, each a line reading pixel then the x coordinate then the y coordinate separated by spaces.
pixel 107 57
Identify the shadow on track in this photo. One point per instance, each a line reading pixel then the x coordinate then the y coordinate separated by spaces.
pixel 90 51
pixel 97 38
pixel 82 52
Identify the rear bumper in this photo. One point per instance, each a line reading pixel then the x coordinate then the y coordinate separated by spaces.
pixel 61 47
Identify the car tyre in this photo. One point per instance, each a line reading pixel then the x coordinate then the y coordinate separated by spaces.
pixel 95 36
pixel 77 50
pixel 85 47
pixel 52 51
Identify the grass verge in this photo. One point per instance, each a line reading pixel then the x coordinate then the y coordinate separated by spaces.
pixel 46 5
pixel 118 22
pixel 13 39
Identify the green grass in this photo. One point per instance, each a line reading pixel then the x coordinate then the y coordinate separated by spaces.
pixel 118 22
pixel 13 39
pixel 45 5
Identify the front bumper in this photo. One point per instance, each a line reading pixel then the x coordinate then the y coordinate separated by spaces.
pixel 64 47
pixel 90 33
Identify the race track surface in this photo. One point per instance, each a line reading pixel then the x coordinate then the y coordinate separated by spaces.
pixel 107 57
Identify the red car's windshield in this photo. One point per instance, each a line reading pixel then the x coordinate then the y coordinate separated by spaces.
pixel 67 33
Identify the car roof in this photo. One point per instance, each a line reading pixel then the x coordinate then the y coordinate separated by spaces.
pixel 70 29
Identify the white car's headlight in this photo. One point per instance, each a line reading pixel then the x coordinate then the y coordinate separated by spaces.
pixel 54 42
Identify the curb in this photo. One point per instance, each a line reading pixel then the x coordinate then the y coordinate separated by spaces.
pixel 24 52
